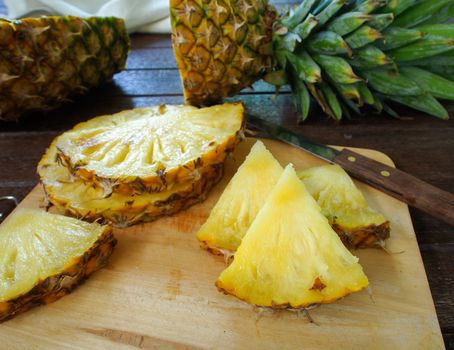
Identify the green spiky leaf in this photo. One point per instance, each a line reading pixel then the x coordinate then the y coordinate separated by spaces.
pixel 430 82
pixel 428 46
pixel 425 103
pixel 397 37
pixel 298 14
pixel 305 67
pixel 348 22
pixel 420 13
pixel 337 69
pixel 328 43
pixel 332 101
pixel 362 36
pixel 390 82
pixel 381 21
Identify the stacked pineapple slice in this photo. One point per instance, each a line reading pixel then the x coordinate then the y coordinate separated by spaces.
pixel 135 166
pixel 45 256
pixel 283 229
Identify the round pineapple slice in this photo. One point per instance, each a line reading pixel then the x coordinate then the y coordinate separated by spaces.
pixel 343 204
pixel 73 196
pixel 150 149
pixel 45 256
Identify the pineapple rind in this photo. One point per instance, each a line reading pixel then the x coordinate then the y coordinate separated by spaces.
pixel 137 151
pixel 62 281
pixel 220 47
pixel 45 61
pixel 290 256
pixel 345 207
pixel 74 197
pixel 241 200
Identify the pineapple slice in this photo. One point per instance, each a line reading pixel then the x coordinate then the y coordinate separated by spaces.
pixel 73 196
pixel 358 225
pixel 151 149
pixel 45 256
pixel 290 256
pixel 241 201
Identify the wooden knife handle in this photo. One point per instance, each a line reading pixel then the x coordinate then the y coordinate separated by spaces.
pixel 399 184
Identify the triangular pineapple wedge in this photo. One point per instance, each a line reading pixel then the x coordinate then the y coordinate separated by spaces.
pixel 71 195
pixel 290 256
pixel 45 256
pixel 150 149
pixel 241 201
pixel 358 225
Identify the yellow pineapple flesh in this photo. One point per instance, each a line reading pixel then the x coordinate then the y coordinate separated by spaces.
pixel 150 149
pixel 241 201
pixel 44 256
pixel 290 256
pixel 71 195
pixel 358 225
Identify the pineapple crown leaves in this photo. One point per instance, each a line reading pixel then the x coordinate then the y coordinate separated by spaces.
pixel 347 54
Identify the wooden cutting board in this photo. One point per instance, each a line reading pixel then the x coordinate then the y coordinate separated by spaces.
pixel 157 292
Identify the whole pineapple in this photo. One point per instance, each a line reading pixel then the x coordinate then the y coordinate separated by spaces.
pixel 45 61
pixel 346 54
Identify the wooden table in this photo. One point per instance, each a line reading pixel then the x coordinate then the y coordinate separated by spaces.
pixel 420 145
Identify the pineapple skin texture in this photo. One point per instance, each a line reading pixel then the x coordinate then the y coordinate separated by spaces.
pixel 54 287
pixel 290 257
pixel 153 180
pixel 220 46
pixel 72 196
pixel 345 207
pixel 240 202
pixel 45 61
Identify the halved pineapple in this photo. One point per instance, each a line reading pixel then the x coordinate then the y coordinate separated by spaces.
pixel 151 149
pixel 241 201
pixel 290 256
pixel 45 256
pixel 358 225
pixel 73 196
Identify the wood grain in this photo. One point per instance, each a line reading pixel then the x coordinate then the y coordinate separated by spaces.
pixel 157 292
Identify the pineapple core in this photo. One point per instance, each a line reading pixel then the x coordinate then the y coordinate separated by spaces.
pixel 241 200
pixel 290 256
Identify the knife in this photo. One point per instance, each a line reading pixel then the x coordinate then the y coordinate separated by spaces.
pixel 392 181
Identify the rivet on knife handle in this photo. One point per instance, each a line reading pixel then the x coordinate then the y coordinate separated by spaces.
pixel 396 183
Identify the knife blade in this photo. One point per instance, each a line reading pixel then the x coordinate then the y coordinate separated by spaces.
pixel 392 181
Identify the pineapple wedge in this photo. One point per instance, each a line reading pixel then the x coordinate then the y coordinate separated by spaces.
pixel 291 257
pixel 45 256
pixel 73 196
pixel 358 225
pixel 241 201
pixel 150 149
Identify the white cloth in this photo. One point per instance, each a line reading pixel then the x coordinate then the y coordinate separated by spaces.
pixel 150 16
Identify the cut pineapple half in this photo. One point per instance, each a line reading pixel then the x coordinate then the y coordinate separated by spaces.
pixel 148 149
pixel 241 201
pixel 358 225
pixel 73 196
pixel 290 256
pixel 44 256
